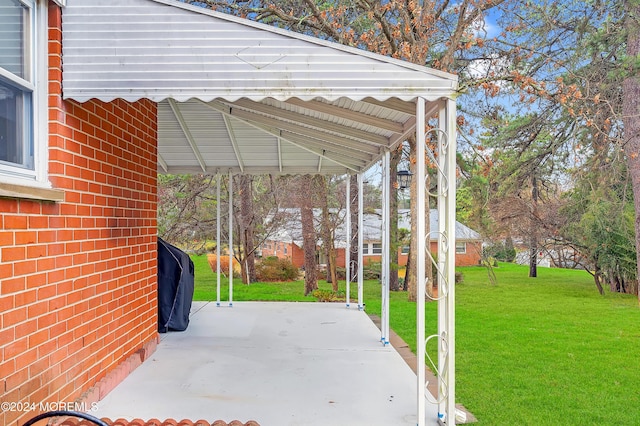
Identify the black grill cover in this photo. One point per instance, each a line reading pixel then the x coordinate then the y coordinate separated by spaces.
pixel 175 287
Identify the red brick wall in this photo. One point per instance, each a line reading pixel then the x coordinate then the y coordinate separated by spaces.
pixel 78 278
pixel 297 255
pixel 472 257
pixel 294 253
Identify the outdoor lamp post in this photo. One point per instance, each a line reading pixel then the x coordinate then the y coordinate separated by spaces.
pixel 404 179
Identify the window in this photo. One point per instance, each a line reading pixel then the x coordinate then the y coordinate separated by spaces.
pixel 461 247
pixel 377 248
pixel 405 250
pixel 22 132
pixel 365 248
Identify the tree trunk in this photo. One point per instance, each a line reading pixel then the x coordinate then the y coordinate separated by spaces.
pixel 613 282
pixel 533 257
pixel 394 284
pixel 308 237
pixel 631 117
pixel 410 275
pixel 247 225
pixel 405 285
pixel 355 244
pixel 533 240
pixel 597 277
pixel 327 235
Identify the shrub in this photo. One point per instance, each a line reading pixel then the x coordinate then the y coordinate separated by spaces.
pixel 224 264
pixel 274 269
pixel 489 262
pixel 200 248
pixel 372 270
pixel 328 295
pixel 502 251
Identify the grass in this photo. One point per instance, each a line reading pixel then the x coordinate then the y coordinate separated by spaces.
pixel 530 351
pixel 206 287
pixel 547 350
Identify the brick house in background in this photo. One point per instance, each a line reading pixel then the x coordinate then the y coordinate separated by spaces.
pixel 286 243
pixel 77 224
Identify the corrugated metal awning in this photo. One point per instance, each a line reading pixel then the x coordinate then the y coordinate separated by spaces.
pixel 238 96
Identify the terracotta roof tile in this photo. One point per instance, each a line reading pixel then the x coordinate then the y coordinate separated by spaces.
pixel 155 422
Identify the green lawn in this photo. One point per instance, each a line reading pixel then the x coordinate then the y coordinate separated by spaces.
pixel 530 351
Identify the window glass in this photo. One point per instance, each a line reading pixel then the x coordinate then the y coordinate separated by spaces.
pixel 461 248
pixel 14 24
pixel 16 145
pixel 16 87
pixel 377 248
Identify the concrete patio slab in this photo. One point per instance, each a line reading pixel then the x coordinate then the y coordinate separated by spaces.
pixel 275 363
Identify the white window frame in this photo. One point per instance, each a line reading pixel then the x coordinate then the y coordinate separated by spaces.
pixel 365 249
pixel 376 248
pixel 37 82
pixel 461 247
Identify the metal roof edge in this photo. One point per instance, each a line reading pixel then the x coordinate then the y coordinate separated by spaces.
pixel 161 96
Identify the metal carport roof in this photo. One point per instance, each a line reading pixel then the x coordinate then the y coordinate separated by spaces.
pixel 235 96
pixel 238 96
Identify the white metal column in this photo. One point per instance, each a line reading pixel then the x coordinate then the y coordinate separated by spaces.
pixel 447 202
pixel 421 270
pixel 360 236
pixel 386 212
pixel 218 237
pixel 347 253
pixel 230 239
pixel 440 278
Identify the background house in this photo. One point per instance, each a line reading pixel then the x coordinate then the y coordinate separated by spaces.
pixel 286 243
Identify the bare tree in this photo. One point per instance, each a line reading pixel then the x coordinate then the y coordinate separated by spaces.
pixel 246 229
pixel 327 230
pixel 309 240
pixel 352 268
pixel 396 156
pixel 631 114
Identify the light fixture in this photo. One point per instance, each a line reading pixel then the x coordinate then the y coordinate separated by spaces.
pixel 404 179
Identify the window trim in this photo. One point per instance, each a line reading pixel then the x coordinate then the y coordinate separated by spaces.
pixel 15 180
pixel 8 190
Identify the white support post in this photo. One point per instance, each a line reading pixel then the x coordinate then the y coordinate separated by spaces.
pixel 218 229
pixel 230 239
pixel 347 253
pixel 443 284
pixel 360 236
pixel 386 192
pixel 421 268
pixel 449 195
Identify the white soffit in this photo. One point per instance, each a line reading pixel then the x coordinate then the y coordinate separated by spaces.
pixel 235 95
